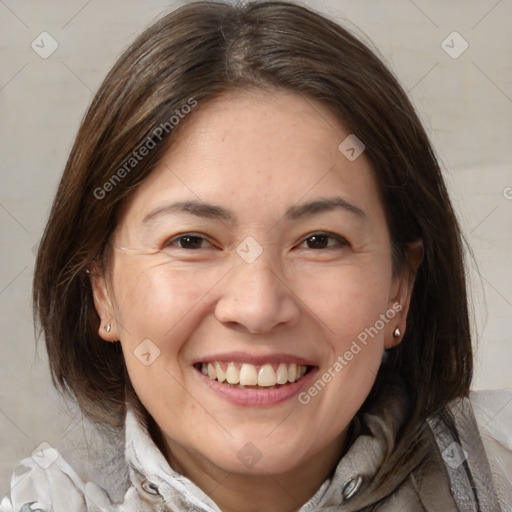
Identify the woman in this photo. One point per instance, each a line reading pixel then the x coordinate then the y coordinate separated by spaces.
pixel 253 275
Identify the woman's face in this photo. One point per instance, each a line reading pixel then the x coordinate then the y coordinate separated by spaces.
pixel 256 251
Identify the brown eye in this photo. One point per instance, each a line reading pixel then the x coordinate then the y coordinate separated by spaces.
pixel 324 241
pixel 188 241
pixel 318 241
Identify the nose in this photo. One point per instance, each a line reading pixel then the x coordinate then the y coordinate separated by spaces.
pixel 256 299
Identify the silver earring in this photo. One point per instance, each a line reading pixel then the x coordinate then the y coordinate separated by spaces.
pixel 108 327
pixel 397 333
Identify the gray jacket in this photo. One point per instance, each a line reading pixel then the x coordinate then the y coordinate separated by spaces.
pixel 431 469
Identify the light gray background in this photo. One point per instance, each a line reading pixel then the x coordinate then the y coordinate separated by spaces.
pixel 466 104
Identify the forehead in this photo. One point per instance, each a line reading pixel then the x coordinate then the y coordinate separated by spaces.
pixel 258 152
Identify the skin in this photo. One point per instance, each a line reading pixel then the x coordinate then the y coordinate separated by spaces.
pixel 255 153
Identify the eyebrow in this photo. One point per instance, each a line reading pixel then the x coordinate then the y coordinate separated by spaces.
pixel 211 211
pixel 197 208
pixel 323 205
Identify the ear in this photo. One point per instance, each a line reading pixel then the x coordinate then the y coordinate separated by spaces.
pixel 400 298
pixel 103 304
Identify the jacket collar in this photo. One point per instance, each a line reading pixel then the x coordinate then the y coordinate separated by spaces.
pixel 358 480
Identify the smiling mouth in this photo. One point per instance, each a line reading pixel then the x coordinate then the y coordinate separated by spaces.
pixel 250 376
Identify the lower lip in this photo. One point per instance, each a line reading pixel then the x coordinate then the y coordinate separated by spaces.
pixel 257 397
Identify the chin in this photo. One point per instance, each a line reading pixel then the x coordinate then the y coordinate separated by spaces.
pixel 250 460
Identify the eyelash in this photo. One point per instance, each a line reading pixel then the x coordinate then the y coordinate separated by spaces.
pixel 341 241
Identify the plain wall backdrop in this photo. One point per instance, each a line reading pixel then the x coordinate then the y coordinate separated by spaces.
pixel 461 84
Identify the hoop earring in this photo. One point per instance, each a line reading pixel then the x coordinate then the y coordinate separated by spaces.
pixel 108 327
pixel 397 333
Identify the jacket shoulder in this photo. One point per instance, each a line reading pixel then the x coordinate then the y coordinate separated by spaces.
pixel 46 482
pixel 493 414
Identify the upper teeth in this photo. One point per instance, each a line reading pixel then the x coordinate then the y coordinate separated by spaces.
pixel 247 374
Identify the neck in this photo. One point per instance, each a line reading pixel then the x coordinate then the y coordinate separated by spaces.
pixel 283 492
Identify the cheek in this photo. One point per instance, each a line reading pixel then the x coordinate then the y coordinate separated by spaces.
pixel 162 303
pixel 351 302
pixel 348 299
pixel 156 309
pixel 154 300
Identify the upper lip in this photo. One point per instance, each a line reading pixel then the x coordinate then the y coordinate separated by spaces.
pixel 244 357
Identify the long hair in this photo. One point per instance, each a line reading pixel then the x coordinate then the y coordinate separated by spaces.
pixel 206 49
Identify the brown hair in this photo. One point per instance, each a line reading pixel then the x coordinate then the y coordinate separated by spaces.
pixel 202 50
